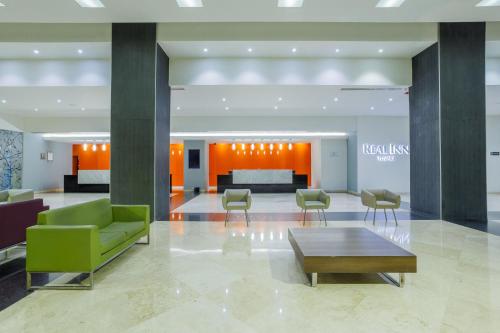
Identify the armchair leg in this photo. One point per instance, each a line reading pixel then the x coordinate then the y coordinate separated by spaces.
pixel 374 214
pixel 324 216
pixel 385 213
pixel 246 217
pixel 395 218
pixel 367 213
pixel 226 218
pixel 304 222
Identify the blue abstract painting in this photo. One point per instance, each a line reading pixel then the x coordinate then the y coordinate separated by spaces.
pixel 11 159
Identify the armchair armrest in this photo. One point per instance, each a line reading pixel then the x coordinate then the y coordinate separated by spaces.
pixel 394 198
pixel 299 198
pixel 224 200
pixel 368 199
pixel 60 248
pixel 324 198
pixel 249 200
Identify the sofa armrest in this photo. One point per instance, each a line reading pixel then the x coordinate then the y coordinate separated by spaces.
pixel 324 198
pixel 51 248
pixel 394 198
pixel 299 198
pixel 368 199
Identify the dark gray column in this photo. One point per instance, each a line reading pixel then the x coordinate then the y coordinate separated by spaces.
pixel 448 127
pixel 140 112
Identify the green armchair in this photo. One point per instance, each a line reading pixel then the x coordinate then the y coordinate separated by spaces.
pixel 82 238
pixel 380 199
pixel 312 199
pixel 237 200
pixel 11 196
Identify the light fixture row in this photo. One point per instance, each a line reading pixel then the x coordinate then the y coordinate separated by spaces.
pixel 37 51
pixel 94 147
pixel 261 146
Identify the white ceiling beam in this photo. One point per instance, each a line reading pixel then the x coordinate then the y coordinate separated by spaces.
pixel 55 32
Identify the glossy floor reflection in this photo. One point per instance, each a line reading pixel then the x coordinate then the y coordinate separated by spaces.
pixel 202 277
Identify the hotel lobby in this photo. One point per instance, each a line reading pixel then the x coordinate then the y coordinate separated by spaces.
pixel 236 166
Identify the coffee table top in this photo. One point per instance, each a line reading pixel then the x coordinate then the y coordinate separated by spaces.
pixel 344 242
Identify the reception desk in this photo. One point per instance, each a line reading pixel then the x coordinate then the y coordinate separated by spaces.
pixel 95 181
pixel 262 181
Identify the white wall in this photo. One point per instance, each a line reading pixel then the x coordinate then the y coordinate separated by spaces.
pixel 334 165
pixel 316 163
pixel 372 173
pixel 41 175
pixel 493 144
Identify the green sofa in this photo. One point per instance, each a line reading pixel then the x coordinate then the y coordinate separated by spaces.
pixel 380 199
pixel 82 238
pixel 312 199
pixel 237 200
pixel 11 196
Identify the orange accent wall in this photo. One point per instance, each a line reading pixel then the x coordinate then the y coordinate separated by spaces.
pixel 223 159
pixel 92 160
pixel 177 163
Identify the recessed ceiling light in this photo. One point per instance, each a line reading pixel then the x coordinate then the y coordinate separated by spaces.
pixel 290 3
pixel 488 3
pixel 226 108
pixel 90 3
pixel 205 50
pixel 276 107
pixel 337 50
pixel 390 99
pixel 36 109
pixel 324 107
pixel 83 109
pixel 389 3
pixel 2 5
pixel 372 108
pixel 294 50
pixel 4 101
pixel 178 108
pixel 250 50
pixel 80 51
pixel 224 99
pixel 36 51
pixel 380 50
pixel 190 3
pixel 280 99
pixel 59 101
pixel 336 99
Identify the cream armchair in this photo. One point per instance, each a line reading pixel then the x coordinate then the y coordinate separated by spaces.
pixel 237 200
pixel 380 199
pixel 313 199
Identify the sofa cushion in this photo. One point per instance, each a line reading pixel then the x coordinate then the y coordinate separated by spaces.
pixel 110 240
pixel 237 205
pixel 385 204
pixel 129 228
pixel 4 196
pixel 97 212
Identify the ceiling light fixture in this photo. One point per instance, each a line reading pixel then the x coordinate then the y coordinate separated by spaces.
pixel 337 50
pixel 243 146
pixel 488 3
pixel 336 99
pixel 59 101
pixel 372 108
pixel 294 50
pixel 233 146
pixel 252 146
pixel 178 108
pixel 83 109
pixel 85 147
pixel 324 107
pixel 36 109
pixel 290 3
pixel 2 5
pixel 227 108
pixel 390 99
pixel 190 3
pixel 80 51
pixel 36 52
pixel 250 50
pixel 90 3
pixel 103 147
pixel 290 146
pixel 224 99
pixel 276 107
pixel 4 101
pixel 94 147
pixel 380 50
pixel 280 99
pixel 205 50
pixel 389 3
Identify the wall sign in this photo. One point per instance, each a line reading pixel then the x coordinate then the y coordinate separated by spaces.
pixel 387 152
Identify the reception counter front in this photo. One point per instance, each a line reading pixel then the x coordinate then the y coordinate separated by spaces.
pixel 262 181
pixel 96 181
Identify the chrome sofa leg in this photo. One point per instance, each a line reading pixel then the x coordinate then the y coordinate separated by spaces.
pixel 247 218
pixel 366 215
pixel 395 218
pixel 146 242
pixel 374 214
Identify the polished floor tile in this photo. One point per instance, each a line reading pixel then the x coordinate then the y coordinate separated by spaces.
pixel 203 277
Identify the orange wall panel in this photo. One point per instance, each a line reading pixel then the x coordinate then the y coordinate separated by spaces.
pixel 92 160
pixel 177 164
pixel 223 159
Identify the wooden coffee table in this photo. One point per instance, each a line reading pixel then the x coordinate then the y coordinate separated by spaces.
pixel 349 250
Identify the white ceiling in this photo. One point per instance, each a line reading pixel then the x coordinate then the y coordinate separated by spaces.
pixel 319 49
pixel 55 51
pixel 246 10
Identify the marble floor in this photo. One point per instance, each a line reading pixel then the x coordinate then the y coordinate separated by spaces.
pixel 202 277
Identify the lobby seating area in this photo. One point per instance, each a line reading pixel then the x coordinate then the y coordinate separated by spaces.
pixel 380 199
pixel 16 195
